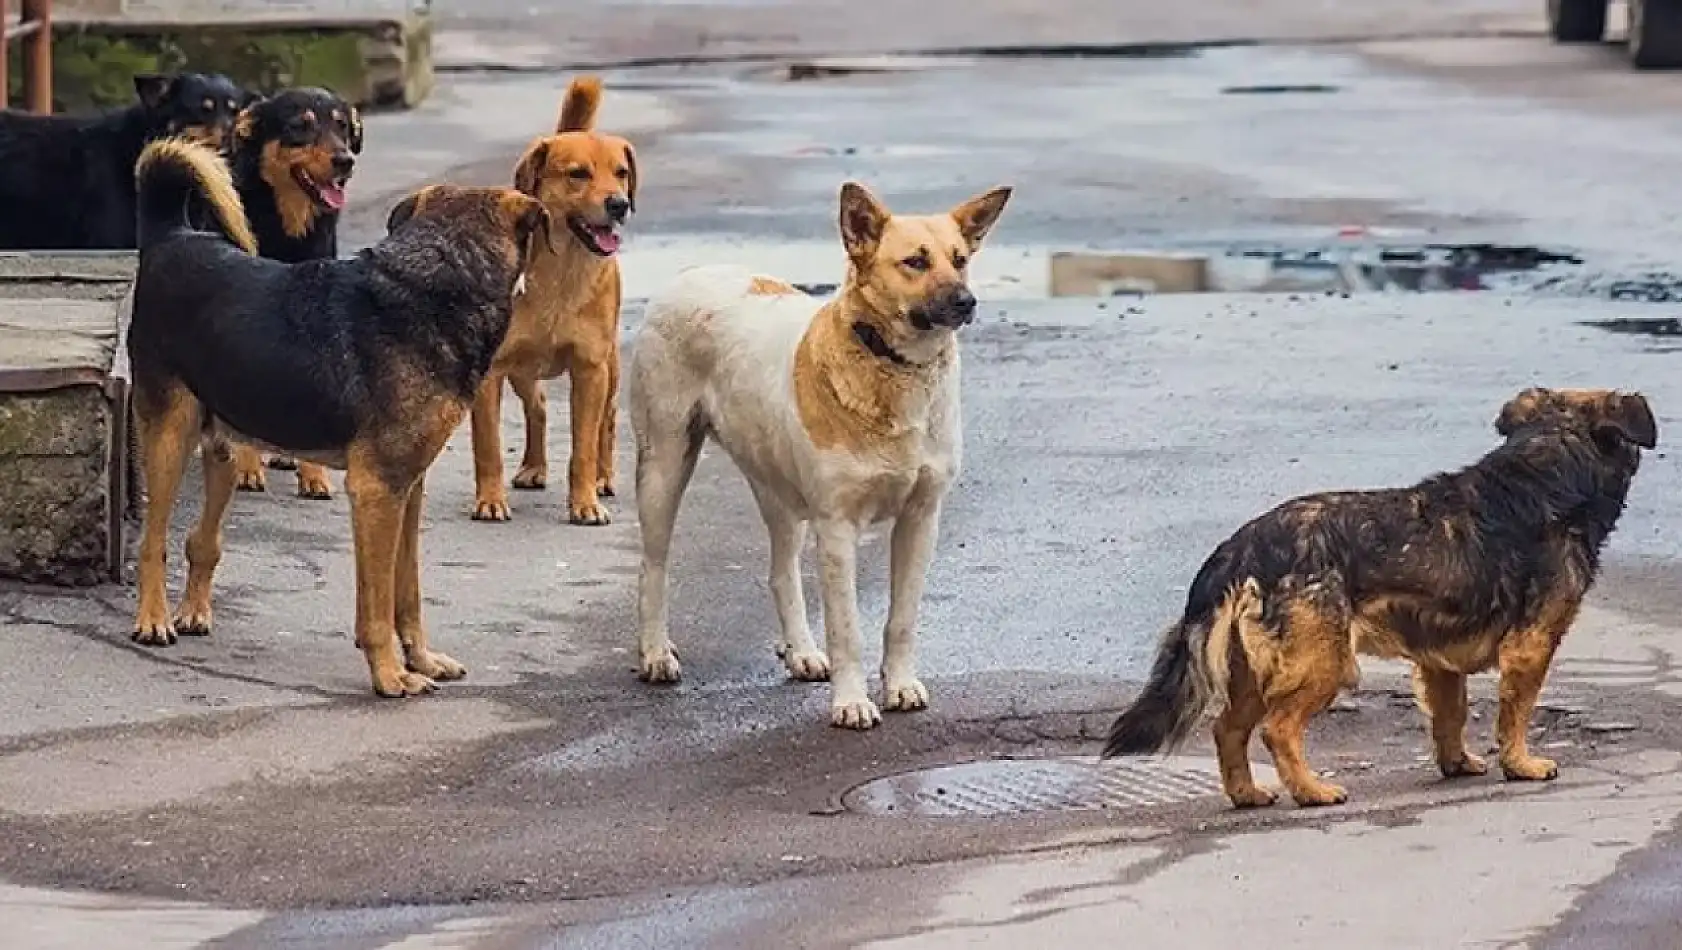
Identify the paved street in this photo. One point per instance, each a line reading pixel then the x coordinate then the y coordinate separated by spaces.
pixel 245 792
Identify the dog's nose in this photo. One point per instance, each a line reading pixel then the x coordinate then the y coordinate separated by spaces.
pixel 963 304
pixel 343 162
pixel 617 206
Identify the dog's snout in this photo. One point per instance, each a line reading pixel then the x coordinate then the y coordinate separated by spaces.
pixel 617 206
pixel 343 162
pixel 963 303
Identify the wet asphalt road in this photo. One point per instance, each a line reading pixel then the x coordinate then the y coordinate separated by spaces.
pixel 1109 445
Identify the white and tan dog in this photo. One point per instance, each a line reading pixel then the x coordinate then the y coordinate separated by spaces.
pixel 840 413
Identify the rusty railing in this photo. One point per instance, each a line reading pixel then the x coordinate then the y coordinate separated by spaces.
pixel 34 27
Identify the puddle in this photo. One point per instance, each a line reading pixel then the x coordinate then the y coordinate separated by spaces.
pixel 1665 333
pixel 1312 87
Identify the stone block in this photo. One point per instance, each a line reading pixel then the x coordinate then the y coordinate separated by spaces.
pixel 1085 274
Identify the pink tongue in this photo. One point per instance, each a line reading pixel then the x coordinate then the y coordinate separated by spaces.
pixel 607 239
pixel 333 196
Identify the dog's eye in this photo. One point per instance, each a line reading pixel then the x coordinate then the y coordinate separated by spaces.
pixel 579 174
pixel 917 262
pixel 622 173
pixel 959 260
pixel 209 105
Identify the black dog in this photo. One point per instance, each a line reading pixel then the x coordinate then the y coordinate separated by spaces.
pixel 366 364
pixel 291 155
pixel 1484 567
pixel 67 182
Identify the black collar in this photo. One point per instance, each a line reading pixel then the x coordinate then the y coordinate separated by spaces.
pixel 871 340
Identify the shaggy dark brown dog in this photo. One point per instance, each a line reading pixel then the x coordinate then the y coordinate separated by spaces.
pixel 1480 568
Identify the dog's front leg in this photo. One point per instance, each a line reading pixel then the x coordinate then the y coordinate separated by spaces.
pixel 490 499
pixel 850 705
pixel 377 514
pixel 421 658
pixel 913 543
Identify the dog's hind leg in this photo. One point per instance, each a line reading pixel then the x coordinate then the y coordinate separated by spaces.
pixel 377 513
pixel 1442 698
pixel 849 705
pixel 166 423
pixel 410 631
pixel 534 461
pixel 248 469
pixel 1524 659
pixel 665 462
pixel 1233 728
pixel 911 548
pixel 490 499
pixel 610 431
pixel 204 545
pixel 795 645
pixel 313 482
pixel 1313 666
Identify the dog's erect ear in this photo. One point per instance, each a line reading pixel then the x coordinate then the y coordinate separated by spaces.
pixel 863 219
pixel 1520 409
pixel 406 209
pixel 976 216
pixel 528 175
pixel 1628 418
pixel 353 119
pixel 631 185
pixel 152 89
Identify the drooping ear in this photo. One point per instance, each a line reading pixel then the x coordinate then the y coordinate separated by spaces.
pixel 245 124
pixel 631 186
pixel 1520 409
pixel 353 118
pixel 152 89
pixel 1627 418
pixel 407 208
pixel 528 175
pixel 863 221
pixel 977 216
pixel 537 222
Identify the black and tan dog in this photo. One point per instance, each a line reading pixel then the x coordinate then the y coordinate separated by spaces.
pixel 292 155
pixel 1466 571
pixel 67 182
pixel 366 364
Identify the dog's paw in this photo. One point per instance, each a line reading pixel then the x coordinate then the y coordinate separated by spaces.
pixel 1467 764
pixel 1530 769
pixel 905 696
pixel 590 514
pixel 604 486
pixel 1252 797
pixel 531 477
pixel 435 666
pixel 1320 794
pixel 314 486
pixel 251 480
pixel 810 666
pixel 282 463
pixel 193 621
pixel 397 684
pixel 154 632
pixel 492 509
pixel 854 714
pixel 660 666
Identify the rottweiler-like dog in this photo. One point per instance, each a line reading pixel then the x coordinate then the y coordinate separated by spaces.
pixel 1484 567
pixel 366 364
pixel 292 155
pixel 67 182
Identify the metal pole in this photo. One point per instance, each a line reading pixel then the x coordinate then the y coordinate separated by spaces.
pixel 38 57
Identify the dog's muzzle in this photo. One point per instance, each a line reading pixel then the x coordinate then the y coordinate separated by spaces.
pixel 951 309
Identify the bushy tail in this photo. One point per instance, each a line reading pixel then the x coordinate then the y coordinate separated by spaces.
pixel 1189 678
pixel 171 173
pixel 578 109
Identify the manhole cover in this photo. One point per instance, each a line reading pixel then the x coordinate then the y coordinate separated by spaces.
pixel 1025 786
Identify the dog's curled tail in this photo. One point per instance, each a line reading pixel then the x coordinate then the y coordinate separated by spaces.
pixel 578 109
pixel 172 172
pixel 1190 676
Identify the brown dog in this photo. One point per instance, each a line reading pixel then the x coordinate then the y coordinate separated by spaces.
pixel 1480 568
pixel 568 321
pixel 366 365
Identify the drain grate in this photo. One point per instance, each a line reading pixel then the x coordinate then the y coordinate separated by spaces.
pixel 1028 786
